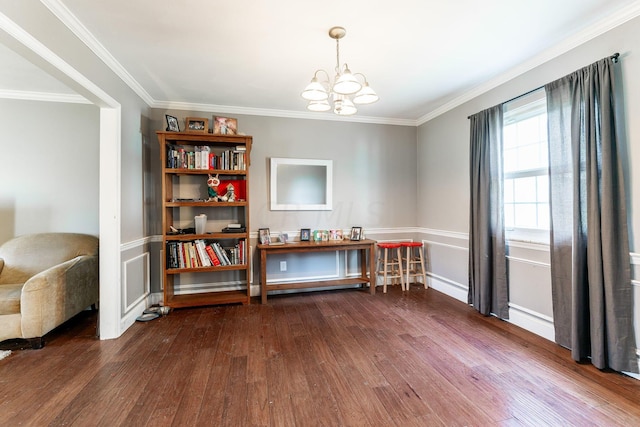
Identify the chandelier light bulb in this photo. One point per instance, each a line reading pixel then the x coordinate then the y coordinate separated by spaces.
pixel 322 105
pixel 344 107
pixel 366 95
pixel 347 84
pixel 315 91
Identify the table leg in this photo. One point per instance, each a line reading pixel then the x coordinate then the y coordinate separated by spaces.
pixel 263 276
pixel 372 269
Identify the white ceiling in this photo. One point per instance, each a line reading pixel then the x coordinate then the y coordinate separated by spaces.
pixel 253 56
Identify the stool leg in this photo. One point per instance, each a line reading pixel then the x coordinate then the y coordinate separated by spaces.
pixel 384 272
pixel 399 255
pixel 424 272
pixel 408 266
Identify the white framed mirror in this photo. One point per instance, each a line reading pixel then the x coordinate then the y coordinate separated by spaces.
pixel 301 184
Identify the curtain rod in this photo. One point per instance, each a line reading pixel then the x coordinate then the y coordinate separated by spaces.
pixel 613 57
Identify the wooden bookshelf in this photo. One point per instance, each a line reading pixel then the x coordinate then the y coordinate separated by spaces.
pixel 233 154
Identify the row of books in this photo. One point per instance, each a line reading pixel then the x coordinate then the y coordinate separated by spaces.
pixel 201 157
pixel 200 253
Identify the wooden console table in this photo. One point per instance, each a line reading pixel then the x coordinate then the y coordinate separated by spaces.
pixel 366 248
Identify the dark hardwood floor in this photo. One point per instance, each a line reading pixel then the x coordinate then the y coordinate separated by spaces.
pixel 317 359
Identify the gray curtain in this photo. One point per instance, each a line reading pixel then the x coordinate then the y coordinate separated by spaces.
pixel 590 261
pixel 488 287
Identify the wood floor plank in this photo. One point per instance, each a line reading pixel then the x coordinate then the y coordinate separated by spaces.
pixel 333 358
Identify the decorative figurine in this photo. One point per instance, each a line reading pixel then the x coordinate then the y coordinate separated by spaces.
pixel 213 183
pixel 230 196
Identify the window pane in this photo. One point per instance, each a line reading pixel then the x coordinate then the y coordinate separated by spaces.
pixel 543 216
pixel 510 136
pixel 508 191
pixel 509 216
pixel 529 157
pixel 528 131
pixel 543 154
pixel 543 188
pixel 525 189
pixel 510 160
pixel 526 215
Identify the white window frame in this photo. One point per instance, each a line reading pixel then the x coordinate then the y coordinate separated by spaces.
pixel 527 105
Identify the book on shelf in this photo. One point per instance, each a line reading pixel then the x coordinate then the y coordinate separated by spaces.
pixel 188 259
pixel 222 256
pixel 204 257
pixel 212 255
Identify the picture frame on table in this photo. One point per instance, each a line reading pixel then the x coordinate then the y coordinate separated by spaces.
pixel 305 234
pixel 335 234
pixel 172 123
pixel 356 233
pixel 225 126
pixel 264 236
pixel 197 125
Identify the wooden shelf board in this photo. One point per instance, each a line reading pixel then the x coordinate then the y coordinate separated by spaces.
pixel 317 284
pixel 208 298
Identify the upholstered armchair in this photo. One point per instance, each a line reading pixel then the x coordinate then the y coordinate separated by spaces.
pixel 45 279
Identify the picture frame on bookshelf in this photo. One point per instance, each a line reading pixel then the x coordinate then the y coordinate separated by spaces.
pixel 225 125
pixel 197 125
pixel 305 234
pixel 264 236
pixel 172 123
pixel 356 233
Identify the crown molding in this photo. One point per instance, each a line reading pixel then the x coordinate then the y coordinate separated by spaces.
pixel 599 28
pixel 269 112
pixel 70 98
pixel 35 47
pixel 73 23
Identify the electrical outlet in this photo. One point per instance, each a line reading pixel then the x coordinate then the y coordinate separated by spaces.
pixel 283 265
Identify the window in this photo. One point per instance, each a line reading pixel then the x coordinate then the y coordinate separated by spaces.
pixel 526 168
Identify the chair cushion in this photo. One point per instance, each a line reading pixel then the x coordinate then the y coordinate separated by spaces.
pixel 10 299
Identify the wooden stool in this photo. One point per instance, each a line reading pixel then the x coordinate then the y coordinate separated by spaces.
pixel 389 265
pixel 414 263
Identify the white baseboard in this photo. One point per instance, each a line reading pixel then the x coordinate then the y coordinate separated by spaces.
pixel 130 317
pixel 532 321
pixel 448 287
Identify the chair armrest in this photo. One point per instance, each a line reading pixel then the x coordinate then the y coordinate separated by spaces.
pixel 55 295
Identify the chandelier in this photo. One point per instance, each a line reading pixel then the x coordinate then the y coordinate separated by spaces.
pixel 344 92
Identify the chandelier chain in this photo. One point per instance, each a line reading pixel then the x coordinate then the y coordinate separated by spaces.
pixel 338 56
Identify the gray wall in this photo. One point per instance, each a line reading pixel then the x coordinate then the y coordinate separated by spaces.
pixel 443 163
pixel 49 174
